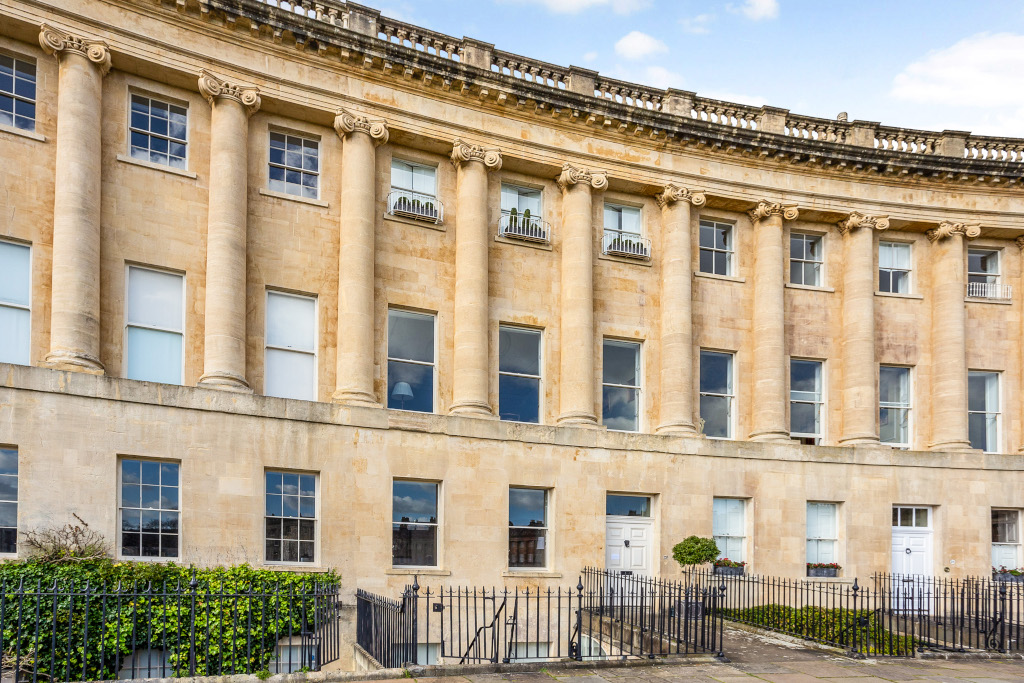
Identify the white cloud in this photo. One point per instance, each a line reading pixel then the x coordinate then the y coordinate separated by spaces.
pixel 576 6
pixel 756 10
pixel 590 56
pixel 697 24
pixel 735 97
pixel 654 76
pixel 638 45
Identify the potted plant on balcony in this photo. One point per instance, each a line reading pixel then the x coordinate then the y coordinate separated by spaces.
pixel 726 567
pixel 1004 574
pixel 823 570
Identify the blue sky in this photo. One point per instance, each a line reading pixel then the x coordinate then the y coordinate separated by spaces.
pixel 944 64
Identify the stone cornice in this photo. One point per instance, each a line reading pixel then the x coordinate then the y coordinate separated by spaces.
pixel 673 193
pixel 571 175
pixel 857 219
pixel 766 209
pixel 463 152
pixel 213 88
pixel 346 122
pixel 56 42
pixel 948 229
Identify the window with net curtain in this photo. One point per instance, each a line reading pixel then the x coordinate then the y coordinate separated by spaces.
pixel 728 522
pixel 1006 539
pixel 410 361
pixel 983 410
pixel 894 267
pixel 414 521
pixel 520 200
pixel 821 532
pixel 518 374
pixel 622 219
pixel 412 177
pixel 154 325
pixel 15 303
pixel 291 346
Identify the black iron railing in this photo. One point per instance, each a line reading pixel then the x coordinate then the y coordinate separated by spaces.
pixel 603 616
pixel 891 615
pixel 86 632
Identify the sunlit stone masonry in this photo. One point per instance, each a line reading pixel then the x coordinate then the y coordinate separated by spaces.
pixel 317 288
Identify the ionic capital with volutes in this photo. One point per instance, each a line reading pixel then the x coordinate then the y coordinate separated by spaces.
pixel 573 175
pixel 860 220
pixel 347 122
pixel 766 209
pixel 57 42
pixel 463 151
pixel 213 89
pixel 948 229
pixel 674 193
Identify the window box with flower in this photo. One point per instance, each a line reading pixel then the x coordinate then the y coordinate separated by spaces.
pixel 726 567
pixel 1009 575
pixel 823 570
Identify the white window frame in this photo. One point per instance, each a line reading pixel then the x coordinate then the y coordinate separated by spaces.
pixel 546 528
pixel 1015 546
pixel 909 270
pixel 127 323
pixel 897 517
pixel 170 102
pixel 820 401
pixel 997 275
pixel 411 164
pixel 433 364
pixel 17 499
pixel 908 406
pixel 273 130
pixel 438 529
pixel 729 251
pixel 179 558
pixel 717 533
pixel 806 237
pixel 22 307
pixel 540 368
pixel 731 396
pixel 519 189
pixel 834 539
pixel 316 337
pixel 317 539
pixel 35 101
pixel 998 412
pixel 617 209
pixel 639 378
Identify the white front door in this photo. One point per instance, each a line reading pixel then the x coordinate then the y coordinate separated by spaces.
pixel 628 545
pixel 911 558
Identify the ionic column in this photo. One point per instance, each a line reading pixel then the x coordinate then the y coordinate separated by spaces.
pixel 224 358
pixel 75 287
pixel 860 372
pixel 1020 245
pixel 949 337
pixel 361 136
pixel 576 390
pixel 768 417
pixel 470 384
pixel 677 310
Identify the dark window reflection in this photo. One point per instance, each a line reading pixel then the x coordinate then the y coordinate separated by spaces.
pixel 628 506
pixel 527 534
pixel 414 523
pixel 519 374
pixel 149 509
pixel 411 361
pixel 290 517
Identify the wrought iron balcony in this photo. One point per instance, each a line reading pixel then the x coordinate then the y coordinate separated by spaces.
pixel 415 205
pixel 629 244
pixel 524 226
pixel 989 290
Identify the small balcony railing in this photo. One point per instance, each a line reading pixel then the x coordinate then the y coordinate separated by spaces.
pixel 415 205
pixel 524 226
pixel 628 244
pixel 989 290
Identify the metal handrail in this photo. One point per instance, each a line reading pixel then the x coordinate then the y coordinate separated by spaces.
pixel 622 243
pixel 416 205
pixel 989 290
pixel 524 226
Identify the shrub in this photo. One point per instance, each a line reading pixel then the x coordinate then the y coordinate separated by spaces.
pixel 69 543
pixel 695 550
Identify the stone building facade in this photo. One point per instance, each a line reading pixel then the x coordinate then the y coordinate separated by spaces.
pixel 304 286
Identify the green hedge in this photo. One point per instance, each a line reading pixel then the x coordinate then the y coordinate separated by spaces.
pixel 833 626
pixel 104 610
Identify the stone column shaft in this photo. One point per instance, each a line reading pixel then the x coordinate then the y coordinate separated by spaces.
pixel 676 411
pixel 949 337
pixel 356 256
pixel 576 381
pixel 470 385
pixel 860 371
pixel 768 418
pixel 224 357
pixel 75 287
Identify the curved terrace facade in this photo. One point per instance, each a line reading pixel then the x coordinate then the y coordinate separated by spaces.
pixel 298 284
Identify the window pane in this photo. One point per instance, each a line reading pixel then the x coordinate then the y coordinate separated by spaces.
pixel 894 385
pixel 796 246
pixel 983 391
pixel 527 507
pixel 715 372
pixel 414 501
pixel 796 272
pixel 723 237
pixel 14 274
pixel 812 274
pixel 727 517
pixel 812 248
pixel 154 299
pixel 721 263
pixel 519 351
pixel 901 256
pixel 410 386
pixel 401 174
pixel 423 179
pixel 621 362
pixel 509 198
pixel 894 425
pixel 519 398
pixel 804 418
pixel 628 506
pixel 983 430
pixel 291 321
pixel 527 547
pixel 15 338
pixel 620 408
pixel 153 356
pixel 921 517
pixel 413 545
pixel 714 410
pixel 707 235
pixel 805 378
pixel 707 261
pixel 631 219
pixel 411 336
pixel 290 375
pixel 1004 526
pixel 612 217
pixel 900 282
pixel 8 461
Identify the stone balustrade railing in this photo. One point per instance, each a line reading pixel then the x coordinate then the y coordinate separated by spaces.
pixel 484 56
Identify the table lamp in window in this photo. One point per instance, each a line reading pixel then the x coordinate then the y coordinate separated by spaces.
pixel 402 393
